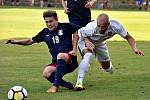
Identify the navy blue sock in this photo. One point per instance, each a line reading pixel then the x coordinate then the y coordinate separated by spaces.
pixel 66 84
pixel 60 71
pixel 63 83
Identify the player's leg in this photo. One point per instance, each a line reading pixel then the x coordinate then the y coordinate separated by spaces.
pixel 48 72
pixel 71 65
pixel 102 55
pixel 60 71
pixel 83 66
pixel 12 3
pixel 17 2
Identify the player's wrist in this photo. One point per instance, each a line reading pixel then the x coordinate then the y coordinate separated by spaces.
pixel 14 42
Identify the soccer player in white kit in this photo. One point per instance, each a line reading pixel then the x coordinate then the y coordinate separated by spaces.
pixel 92 40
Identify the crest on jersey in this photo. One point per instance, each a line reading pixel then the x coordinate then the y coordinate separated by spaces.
pixel 60 32
pixel 109 33
pixel 48 35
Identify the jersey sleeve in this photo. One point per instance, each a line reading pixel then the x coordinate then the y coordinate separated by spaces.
pixel 88 30
pixel 39 37
pixel 119 28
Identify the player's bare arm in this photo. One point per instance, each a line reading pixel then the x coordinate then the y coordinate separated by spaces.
pixel 90 3
pixel 75 43
pixel 89 44
pixel 132 43
pixel 64 4
pixel 20 42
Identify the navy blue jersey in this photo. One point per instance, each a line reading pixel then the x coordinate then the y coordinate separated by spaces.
pixel 77 9
pixel 59 40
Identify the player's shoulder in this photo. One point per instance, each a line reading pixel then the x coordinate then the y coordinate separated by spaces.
pixel 115 24
pixel 88 29
pixel 44 30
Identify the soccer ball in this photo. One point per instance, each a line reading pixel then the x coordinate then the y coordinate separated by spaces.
pixel 17 93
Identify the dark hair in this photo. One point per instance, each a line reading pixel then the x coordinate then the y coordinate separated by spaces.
pixel 50 13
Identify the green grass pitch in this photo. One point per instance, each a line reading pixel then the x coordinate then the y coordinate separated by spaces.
pixel 23 65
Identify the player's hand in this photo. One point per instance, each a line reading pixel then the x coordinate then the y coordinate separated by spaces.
pixel 11 41
pixel 88 5
pixel 73 52
pixel 138 52
pixel 89 44
pixel 66 11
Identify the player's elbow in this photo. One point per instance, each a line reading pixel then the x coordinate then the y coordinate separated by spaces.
pixel 128 37
pixel 28 42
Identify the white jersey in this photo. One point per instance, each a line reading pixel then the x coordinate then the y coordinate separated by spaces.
pixel 91 30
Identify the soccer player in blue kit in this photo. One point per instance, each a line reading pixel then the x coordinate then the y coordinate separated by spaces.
pixel 58 37
pixel 78 11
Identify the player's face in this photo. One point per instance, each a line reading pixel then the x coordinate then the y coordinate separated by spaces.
pixel 51 23
pixel 103 27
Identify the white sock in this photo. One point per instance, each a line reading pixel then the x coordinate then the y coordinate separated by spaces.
pixel 83 66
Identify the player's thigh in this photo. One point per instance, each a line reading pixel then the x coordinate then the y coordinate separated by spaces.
pixel 81 45
pixel 102 53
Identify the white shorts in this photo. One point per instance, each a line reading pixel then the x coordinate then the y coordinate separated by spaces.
pixel 100 51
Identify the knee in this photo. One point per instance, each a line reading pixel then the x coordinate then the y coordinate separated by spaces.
pixel 88 54
pixel 49 77
pixel 48 71
pixel 87 57
pixel 45 74
pixel 61 56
